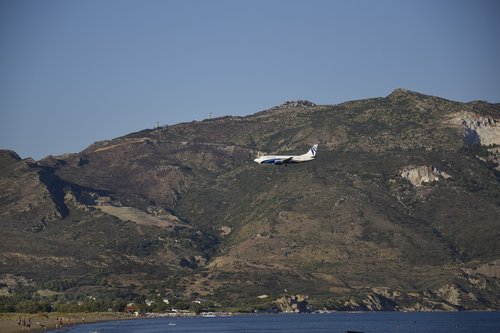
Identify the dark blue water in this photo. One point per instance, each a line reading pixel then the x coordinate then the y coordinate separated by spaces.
pixel 369 322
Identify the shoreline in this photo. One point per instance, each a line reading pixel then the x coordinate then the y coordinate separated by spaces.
pixel 41 322
pixel 9 321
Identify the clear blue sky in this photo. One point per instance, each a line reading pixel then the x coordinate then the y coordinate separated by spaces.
pixel 74 72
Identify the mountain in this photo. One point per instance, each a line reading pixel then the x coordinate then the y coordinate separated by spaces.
pixel 400 210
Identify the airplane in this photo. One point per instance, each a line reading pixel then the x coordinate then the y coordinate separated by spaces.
pixel 285 159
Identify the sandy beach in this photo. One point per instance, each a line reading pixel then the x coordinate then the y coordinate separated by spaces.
pixel 13 322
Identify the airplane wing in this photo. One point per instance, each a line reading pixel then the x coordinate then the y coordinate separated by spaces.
pixel 282 161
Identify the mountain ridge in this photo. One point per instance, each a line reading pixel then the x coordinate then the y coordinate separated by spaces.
pixel 399 210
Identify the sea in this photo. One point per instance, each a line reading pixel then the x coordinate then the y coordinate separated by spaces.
pixel 368 322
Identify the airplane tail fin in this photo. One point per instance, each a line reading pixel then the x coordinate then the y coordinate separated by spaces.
pixel 312 152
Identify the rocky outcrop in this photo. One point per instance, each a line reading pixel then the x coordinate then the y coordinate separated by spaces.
pixel 475 278
pixel 298 103
pixel 478 129
pixel 491 269
pixel 376 302
pixel 418 175
pixel 448 297
pixel 293 303
pixel 225 230
pixel 450 293
pixel 481 130
pixel 492 159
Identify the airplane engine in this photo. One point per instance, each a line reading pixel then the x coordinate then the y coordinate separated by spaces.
pixel 278 162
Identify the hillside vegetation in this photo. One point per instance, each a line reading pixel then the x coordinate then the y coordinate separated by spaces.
pixel 399 211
